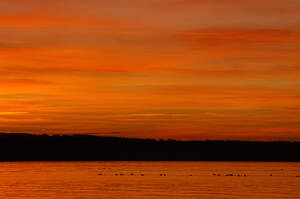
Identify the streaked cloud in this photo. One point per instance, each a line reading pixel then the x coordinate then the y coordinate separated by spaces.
pixel 186 69
pixel 12 113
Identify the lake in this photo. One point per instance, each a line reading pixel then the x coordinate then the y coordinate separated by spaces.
pixel 139 180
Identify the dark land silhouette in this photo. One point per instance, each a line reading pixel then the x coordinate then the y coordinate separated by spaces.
pixel 28 147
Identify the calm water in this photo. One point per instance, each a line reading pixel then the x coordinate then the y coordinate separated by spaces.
pixel 64 180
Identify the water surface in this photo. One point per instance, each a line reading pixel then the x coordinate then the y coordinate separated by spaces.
pixel 139 180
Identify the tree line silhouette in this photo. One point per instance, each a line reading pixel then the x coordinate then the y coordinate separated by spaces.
pixel 29 147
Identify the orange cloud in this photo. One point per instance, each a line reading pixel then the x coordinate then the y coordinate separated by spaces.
pixel 162 69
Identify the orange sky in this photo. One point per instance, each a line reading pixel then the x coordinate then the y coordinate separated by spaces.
pixel 182 69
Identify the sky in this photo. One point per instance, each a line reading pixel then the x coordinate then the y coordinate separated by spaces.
pixel 180 69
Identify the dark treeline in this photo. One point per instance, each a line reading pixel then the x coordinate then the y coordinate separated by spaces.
pixel 27 147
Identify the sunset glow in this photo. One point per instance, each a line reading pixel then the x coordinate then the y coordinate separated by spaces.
pixel 180 69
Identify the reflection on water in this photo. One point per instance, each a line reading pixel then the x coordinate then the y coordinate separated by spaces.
pixel 91 180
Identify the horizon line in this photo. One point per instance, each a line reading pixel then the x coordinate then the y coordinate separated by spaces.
pixel 153 139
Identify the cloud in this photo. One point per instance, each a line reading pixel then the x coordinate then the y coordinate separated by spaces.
pixel 13 113
pixel 160 68
pixel 239 36
pixel 24 82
